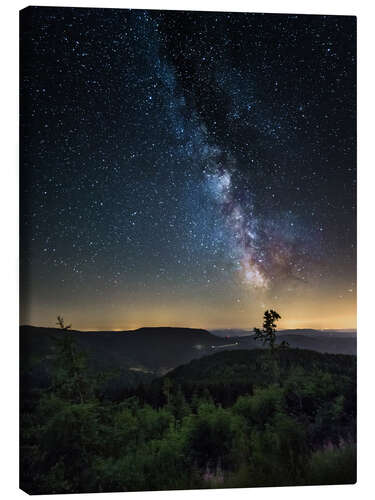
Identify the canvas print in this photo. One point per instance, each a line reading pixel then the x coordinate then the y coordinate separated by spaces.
pixel 188 250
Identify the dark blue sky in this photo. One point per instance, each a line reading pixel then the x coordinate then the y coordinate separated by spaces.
pixel 187 168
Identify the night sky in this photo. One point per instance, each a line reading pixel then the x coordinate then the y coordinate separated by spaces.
pixel 187 168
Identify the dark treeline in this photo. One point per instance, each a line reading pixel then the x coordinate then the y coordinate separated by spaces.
pixel 233 419
pixel 230 374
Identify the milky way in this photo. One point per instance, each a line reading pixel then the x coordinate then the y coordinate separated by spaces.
pixel 186 166
pixel 242 225
pixel 263 255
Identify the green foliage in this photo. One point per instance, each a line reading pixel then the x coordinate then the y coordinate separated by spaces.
pixel 333 465
pixel 261 407
pixel 70 378
pixel 279 451
pixel 222 421
pixel 210 436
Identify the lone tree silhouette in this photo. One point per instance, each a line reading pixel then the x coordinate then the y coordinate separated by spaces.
pixel 70 375
pixel 60 322
pixel 268 333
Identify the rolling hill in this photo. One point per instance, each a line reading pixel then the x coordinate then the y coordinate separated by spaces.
pixel 138 356
pixel 329 341
pixel 229 374
pixel 154 350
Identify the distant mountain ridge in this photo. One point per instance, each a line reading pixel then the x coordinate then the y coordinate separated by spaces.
pixel 138 356
pixel 158 349
pixel 161 349
pixel 238 332
pixel 332 342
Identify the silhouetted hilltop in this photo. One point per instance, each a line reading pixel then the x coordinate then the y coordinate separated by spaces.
pixel 138 356
pixel 239 332
pixel 329 341
pixel 161 349
pixel 251 366
pixel 156 349
pixel 226 375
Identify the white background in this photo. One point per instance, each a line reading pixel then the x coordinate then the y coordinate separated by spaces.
pixel 364 11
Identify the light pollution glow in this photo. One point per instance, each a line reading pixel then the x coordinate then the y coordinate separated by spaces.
pixel 321 312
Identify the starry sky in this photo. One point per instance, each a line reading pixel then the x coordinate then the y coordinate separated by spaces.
pixel 187 168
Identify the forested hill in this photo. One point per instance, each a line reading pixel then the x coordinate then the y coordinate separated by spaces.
pixel 241 418
pixel 233 366
pixel 146 349
pixel 140 355
pixel 229 374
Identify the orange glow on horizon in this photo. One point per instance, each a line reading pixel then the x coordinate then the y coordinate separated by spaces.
pixel 312 312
